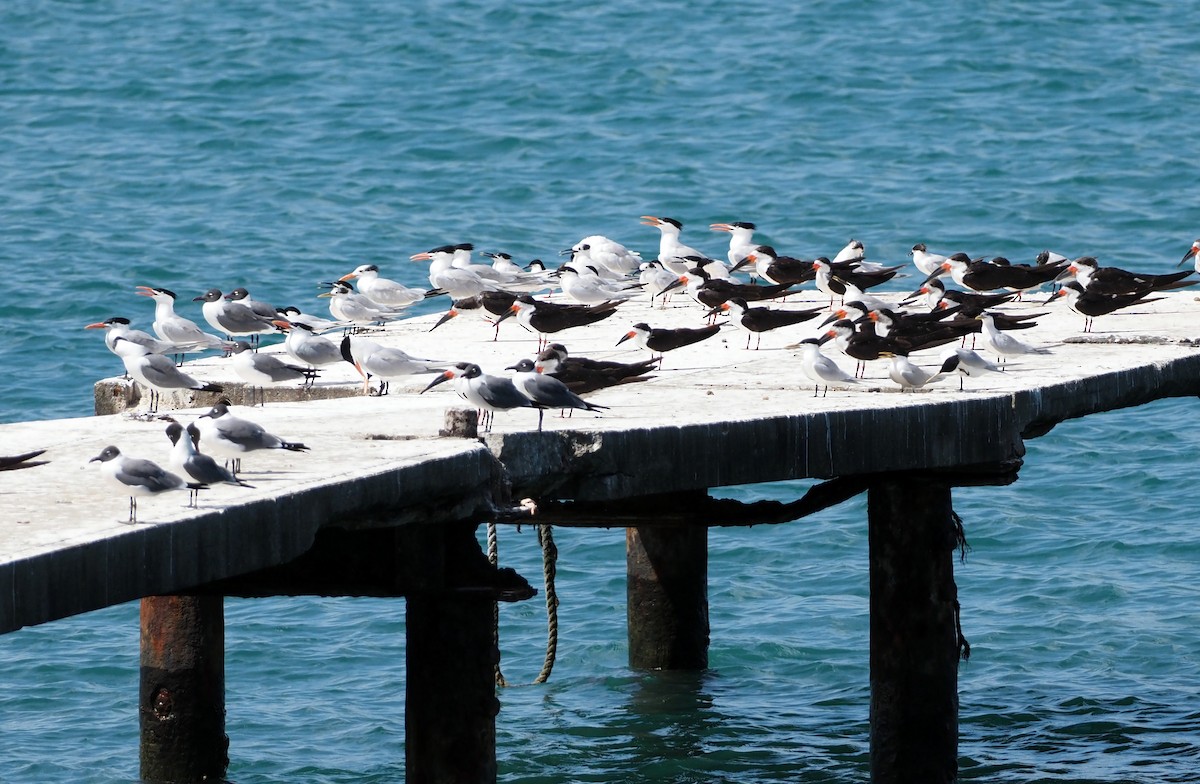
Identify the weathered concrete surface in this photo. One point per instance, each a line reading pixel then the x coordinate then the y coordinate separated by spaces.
pixel 716 414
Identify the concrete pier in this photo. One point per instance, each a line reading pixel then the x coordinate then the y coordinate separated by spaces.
pixel 381 498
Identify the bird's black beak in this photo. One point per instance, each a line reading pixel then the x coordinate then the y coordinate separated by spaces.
pixel 445 376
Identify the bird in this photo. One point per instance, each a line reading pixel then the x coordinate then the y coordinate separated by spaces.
pixel 1114 280
pixel 934 292
pixel 173 328
pixel 711 292
pixel 545 391
pixel 759 320
pixel 545 318
pixel 1002 344
pixel 383 362
pixel 304 345
pixel 659 340
pixel 1090 304
pixel 583 375
pixel 226 435
pixel 656 279
pixel 316 324
pixel 1193 251
pixel 741 239
pixel 233 318
pixel 119 327
pixel 157 372
pixel 383 292
pixel 776 269
pixel 671 252
pixel 346 304
pixel 928 263
pixel 967 364
pixel 487 393
pixel 261 370
pixel 909 376
pixel 23 460
pixel 188 460
pixel 588 288
pixel 458 282
pixel 495 303
pixel 980 275
pixel 837 282
pixel 608 254
pixel 820 368
pixel 139 477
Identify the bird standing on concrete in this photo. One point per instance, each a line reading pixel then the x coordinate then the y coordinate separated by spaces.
pixel 187 460
pixel 138 477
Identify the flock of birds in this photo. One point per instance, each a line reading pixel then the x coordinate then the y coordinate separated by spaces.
pixel 599 277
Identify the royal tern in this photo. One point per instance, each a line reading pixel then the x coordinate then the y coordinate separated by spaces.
pixel 459 283
pixel 173 328
pixel 385 293
pixel 545 391
pixel 487 393
pixel 137 477
pixel 741 240
pixel 188 461
pixel 118 328
pixel 156 372
pixel 671 252
pixel 230 437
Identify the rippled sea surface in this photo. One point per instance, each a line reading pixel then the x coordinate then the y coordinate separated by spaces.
pixel 275 144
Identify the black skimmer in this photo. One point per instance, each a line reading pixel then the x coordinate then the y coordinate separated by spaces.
pixel 137 477
pixel 546 318
pixel 773 268
pixel 1192 252
pixel 226 435
pixel 23 460
pixel 712 292
pixel 383 292
pixel 188 461
pixel 487 393
pixel 759 320
pixel 1114 280
pixel 659 340
pixel 544 391
pixel 384 362
pixel 293 315
pixel 820 368
pixel 263 370
pixel 157 372
pixel 934 292
pixel 979 275
pixel 583 375
pixel 838 283
pixel 1090 304
pixel 496 303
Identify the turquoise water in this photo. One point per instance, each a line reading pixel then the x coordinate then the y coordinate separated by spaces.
pixel 274 144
